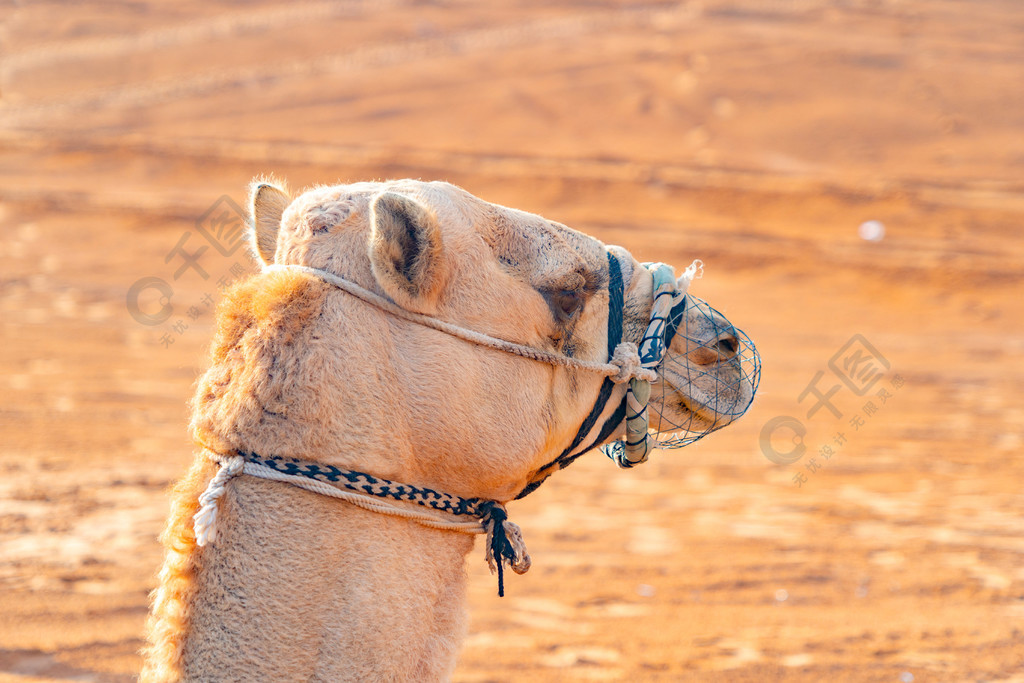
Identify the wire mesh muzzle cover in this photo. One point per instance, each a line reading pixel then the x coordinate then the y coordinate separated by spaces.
pixel 707 378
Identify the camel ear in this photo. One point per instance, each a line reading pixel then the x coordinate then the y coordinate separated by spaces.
pixel 267 203
pixel 405 251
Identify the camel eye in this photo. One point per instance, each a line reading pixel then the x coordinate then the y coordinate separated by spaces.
pixel 565 303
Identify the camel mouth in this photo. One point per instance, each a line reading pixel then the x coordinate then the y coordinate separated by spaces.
pixel 718 409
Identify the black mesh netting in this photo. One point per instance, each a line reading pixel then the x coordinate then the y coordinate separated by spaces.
pixel 708 378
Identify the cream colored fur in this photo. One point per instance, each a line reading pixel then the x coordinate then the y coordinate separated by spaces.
pixel 302 587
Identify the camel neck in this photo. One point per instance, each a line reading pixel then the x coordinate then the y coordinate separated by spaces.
pixel 306 581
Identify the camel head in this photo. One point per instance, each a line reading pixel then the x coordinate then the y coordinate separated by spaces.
pixel 303 369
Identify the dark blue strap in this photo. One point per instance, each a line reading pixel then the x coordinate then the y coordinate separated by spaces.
pixel 675 316
pixel 616 301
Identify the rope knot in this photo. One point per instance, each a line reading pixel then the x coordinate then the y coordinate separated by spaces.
pixel 504 542
pixel 204 522
pixel 627 359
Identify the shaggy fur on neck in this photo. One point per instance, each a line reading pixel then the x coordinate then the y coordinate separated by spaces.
pixel 256 320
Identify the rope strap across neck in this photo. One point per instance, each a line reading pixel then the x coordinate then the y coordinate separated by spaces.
pixel 504 538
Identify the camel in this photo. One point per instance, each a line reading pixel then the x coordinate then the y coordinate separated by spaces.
pixel 300 586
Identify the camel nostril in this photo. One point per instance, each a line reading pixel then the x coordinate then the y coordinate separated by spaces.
pixel 728 345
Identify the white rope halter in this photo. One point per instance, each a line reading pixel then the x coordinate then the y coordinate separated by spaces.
pixel 232 466
pixel 624 366
pixel 505 543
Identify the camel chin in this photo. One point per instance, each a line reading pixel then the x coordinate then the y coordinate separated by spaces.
pixel 696 406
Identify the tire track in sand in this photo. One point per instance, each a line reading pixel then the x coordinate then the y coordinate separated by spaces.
pixel 376 56
pixel 222 26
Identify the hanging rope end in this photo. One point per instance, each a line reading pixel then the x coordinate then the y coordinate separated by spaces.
pixel 204 522
pixel 505 544
pixel 694 271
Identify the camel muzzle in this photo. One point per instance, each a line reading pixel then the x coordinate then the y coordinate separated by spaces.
pixel 688 347
pixel 716 366
pixel 713 352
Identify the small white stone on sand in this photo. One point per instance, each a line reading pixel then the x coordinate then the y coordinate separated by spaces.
pixel 872 231
pixel 906 677
pixel 781 595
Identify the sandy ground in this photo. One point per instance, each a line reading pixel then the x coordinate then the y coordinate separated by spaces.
pixel 755 135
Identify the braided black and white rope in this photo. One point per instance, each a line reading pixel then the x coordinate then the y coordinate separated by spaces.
pixel 361 482
pixel 504 538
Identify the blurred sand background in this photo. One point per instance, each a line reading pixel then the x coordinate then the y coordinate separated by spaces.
pixel 755 135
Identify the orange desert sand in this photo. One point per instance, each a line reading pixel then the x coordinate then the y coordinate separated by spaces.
pixel 758 136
